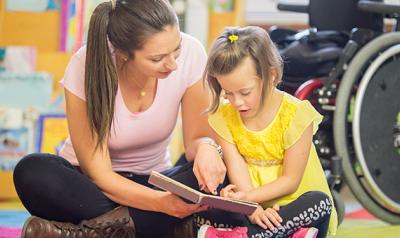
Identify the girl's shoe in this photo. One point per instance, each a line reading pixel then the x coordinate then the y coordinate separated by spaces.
pixel 207 231
pixel 305 232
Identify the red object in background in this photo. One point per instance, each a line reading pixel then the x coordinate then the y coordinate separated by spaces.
pixel 360 214
pixel 307 88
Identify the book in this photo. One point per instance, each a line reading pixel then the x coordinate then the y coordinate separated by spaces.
pixel 194 196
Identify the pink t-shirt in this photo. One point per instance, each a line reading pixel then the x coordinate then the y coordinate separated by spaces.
pixel 140 141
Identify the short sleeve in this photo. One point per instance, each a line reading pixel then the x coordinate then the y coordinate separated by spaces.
pixel 303 117
pixel 195 59
pixel 74 75
pixel 218 124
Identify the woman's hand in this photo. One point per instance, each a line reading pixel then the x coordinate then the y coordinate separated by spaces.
pixel 268 218
pixel 174 206
pixel 229 192
pixel 209 168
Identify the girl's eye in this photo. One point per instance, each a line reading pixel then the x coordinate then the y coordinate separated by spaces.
pixel 246 93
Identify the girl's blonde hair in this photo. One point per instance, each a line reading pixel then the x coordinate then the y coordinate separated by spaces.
pixel 231 47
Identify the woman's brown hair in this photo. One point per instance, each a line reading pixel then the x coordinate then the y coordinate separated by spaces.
pixel 125 24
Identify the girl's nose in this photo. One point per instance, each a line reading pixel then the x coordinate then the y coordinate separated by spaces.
pixel 237 101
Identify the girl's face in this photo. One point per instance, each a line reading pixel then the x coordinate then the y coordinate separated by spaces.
pixel 243 88
pixel 157 57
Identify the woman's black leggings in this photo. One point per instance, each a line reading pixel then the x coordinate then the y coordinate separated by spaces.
pixel 51 188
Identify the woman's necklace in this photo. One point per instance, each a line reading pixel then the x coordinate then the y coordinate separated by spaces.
pixel 142 93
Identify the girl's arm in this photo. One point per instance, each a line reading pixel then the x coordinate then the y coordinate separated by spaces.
pixel 238 174
pixel 237 170
pixel 208 166
pixel 294 164
pixel 97 166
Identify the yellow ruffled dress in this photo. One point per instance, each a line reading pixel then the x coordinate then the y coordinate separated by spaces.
pixel 264 150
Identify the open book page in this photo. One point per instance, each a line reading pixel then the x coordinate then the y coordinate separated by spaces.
pixel 168 184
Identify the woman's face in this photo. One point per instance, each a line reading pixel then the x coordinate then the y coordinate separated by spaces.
pixel 157 57
pixel 243 88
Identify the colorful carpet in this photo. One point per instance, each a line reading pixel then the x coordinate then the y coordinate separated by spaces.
pixel 11 222
pixel 10 232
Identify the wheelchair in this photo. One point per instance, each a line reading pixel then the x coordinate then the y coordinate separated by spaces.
pixel 350 72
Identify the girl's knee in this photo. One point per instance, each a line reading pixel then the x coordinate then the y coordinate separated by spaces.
pixel 322 202
pixel 317 196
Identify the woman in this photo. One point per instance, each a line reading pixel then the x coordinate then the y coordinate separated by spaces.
pixel 123 93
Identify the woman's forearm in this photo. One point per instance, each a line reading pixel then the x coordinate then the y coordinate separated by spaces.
pixel 126 192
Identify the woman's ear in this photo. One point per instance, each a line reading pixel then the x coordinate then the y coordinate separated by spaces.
pixel 122 56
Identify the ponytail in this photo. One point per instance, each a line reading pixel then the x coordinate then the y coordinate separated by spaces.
pixel 100 75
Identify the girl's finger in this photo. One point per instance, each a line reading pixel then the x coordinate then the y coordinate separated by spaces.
pixel 275 214
pixel 225 191
pixel 273 220
pixel 276 207
pixel 267 222
pixel 259 222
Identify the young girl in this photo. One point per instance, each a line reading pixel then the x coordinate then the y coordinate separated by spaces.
pixel 266 137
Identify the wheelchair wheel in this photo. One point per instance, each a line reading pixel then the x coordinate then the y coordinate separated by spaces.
pixel 367 109
pixel 339 205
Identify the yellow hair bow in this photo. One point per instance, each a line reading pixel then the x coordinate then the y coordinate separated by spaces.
pixel 233 38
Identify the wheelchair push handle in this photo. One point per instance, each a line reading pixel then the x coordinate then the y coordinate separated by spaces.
pixel 378 7
pixel 301 8
pixel 347 53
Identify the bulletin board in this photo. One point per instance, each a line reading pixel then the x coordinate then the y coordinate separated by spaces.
pixel 52 132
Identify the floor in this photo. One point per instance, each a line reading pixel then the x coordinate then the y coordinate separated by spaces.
pixel 357 224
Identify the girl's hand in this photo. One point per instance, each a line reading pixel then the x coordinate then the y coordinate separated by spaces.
pixel 229 192
pixel 267 219
pixel 174 206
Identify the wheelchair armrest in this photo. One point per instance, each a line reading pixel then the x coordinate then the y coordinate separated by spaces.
pixel 292 7
pixel 337 37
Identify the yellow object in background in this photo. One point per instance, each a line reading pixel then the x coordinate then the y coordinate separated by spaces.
pixel 221 17
pixel 7 190
pixel 53 130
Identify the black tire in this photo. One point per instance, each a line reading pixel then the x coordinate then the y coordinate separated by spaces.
pixel 340 207
pixel 342 130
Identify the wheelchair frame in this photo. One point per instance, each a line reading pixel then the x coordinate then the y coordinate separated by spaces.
pixel 335 95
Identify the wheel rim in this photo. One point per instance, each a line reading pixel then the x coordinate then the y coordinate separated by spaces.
pixel 342 125
pixel 377 87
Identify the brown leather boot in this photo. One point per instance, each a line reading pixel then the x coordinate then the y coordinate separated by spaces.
pixel 113 224
pixel 186 229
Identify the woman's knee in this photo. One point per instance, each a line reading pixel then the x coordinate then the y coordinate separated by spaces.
pixel 34 168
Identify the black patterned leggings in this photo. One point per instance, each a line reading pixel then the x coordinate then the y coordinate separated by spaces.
pixel 312 209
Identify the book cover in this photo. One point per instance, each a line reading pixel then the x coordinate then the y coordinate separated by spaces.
pixel 192 195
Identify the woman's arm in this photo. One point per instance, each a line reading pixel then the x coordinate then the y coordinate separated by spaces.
pixel 97 166
pixel 208 166
pixel 294 163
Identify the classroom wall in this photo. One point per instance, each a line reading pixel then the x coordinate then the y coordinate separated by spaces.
pixel 40 30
